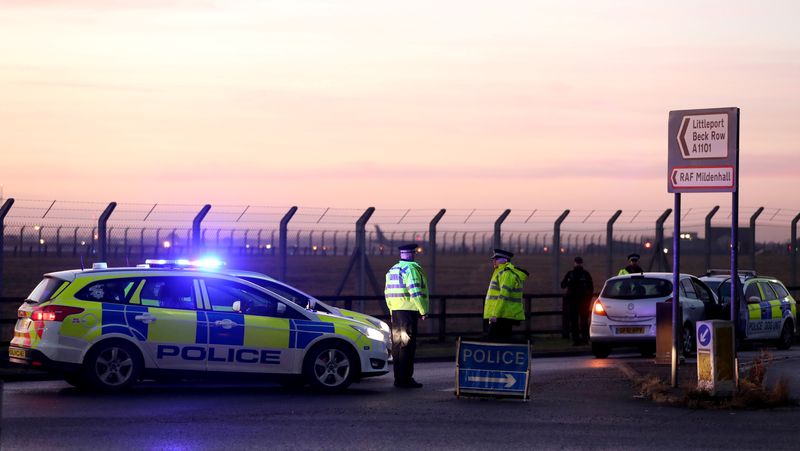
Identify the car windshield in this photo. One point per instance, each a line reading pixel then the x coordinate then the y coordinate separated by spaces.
pixel 713 284
pixel 637 288
pixel 292 295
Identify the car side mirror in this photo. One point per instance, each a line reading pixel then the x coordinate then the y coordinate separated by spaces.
pixel 754 300
pixel 237 306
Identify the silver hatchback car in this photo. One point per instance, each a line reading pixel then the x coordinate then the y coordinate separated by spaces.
pixel 624 315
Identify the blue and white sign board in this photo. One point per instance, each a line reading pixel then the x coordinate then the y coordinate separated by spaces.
pixel 492 369
pixel 703 335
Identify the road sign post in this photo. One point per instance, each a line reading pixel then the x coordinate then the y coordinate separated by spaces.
pixel 703 157
pixel 492 369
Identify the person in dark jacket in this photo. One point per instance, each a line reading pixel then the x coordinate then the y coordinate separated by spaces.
pixel 579 286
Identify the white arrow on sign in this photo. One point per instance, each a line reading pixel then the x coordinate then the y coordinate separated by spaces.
pixel 704 136
pixel 704 335
pixel 509 380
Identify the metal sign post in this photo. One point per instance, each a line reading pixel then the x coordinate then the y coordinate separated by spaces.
pixel 703 157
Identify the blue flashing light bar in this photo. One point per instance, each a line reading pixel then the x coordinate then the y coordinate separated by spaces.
pixel 203 263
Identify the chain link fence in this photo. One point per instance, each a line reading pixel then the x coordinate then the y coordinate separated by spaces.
pixel 134 232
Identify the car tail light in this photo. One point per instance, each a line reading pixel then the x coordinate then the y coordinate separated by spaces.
pixel 598 308
pixel 54 313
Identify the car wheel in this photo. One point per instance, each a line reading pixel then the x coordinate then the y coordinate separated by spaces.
pixel 330 367
pixel 600 351
pixel 688 342
pixel 787 335
pixel 112 366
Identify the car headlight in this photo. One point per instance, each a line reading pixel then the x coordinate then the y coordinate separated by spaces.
pixel 382 325
pixel 385 327
pixel 369 332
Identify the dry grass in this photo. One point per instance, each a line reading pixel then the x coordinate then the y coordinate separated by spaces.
pixel 751 393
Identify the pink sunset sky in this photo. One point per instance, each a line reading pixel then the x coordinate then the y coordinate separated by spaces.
pixel 412 104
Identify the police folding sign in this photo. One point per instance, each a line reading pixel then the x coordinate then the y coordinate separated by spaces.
pixel 492 369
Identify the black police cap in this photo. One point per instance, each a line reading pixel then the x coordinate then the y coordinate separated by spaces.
pixel 411 247
pixel 634 256
pixel 500 253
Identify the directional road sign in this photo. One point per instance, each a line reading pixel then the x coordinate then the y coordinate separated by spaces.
pixel 703 335
pixel 703 150
pixel 492 369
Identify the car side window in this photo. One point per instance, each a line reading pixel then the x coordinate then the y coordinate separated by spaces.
pixel 168 292
pixel 767 293
pixel 779 290
pixel 688 289
pixel 751 291
pixel 702 291
pixel 228 296
pixel 109 290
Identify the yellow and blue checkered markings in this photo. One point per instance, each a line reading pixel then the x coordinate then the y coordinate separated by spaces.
pixel 304 332
pixel 770 310
pixel 213 328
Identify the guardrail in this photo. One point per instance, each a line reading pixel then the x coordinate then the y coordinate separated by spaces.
pixel 439 313
pixel 440 304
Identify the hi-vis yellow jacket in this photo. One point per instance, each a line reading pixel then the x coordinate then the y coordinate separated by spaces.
pixel 504 298
pixel 407 287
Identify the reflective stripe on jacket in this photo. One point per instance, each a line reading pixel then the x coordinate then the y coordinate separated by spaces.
pixel 407 288
pixel 504 298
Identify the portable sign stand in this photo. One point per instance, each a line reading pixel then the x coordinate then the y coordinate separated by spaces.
pixel 493 369
pixel 703 157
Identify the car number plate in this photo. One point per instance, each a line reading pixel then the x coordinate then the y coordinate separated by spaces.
pixel 630 330
pixel 17 352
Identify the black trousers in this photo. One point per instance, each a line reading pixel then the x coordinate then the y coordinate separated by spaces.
pixel 579 313
pixel 500 331
pixel 404 343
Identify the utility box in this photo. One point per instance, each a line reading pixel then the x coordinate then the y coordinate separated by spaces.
pixel 663 333
pixel 716 357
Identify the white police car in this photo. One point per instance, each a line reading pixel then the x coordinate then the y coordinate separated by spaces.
pixel 767 311
pixel 108 328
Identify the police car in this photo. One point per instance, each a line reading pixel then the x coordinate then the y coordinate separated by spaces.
pixel 109 327
pixel 767 311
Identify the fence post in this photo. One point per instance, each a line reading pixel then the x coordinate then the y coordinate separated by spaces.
pixel 793 249
pixel 284 226
pixel 610 243
pixel 442 318
pixel 658 247
pixel 3 212
pixel 102 236
pixel 557 271
pixel 432 246
pixel 708 235
pixel 498 241
pixel 753 236
pixel 557 249
pixel 197 238
pixel 361 244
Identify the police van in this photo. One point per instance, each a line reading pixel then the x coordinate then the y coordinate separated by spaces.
pixel 109 327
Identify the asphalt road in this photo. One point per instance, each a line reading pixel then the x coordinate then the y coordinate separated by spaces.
pixel 577 403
